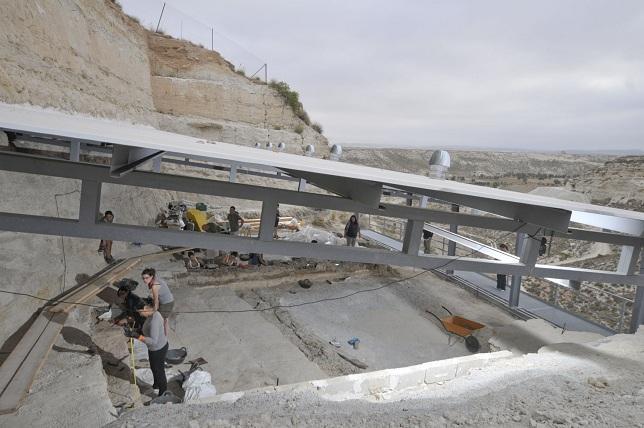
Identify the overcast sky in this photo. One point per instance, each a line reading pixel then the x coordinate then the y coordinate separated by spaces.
pixel 558 75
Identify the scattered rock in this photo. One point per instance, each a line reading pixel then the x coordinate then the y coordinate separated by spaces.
pixel 305 283
pixel 597 382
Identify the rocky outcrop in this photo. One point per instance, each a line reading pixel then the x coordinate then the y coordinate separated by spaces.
pixel 618 183
pixel 87 56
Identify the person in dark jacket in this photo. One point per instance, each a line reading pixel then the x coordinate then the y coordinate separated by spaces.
pixel 502 279
pixel 352 231
pixel 427 241
pixel 130 304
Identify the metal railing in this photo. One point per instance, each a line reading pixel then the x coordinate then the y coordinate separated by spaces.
pixel 590 301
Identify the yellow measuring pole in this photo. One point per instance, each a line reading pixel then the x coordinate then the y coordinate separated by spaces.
pixel 133 362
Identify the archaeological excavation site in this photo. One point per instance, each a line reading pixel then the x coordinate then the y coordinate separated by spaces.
pixel 180 245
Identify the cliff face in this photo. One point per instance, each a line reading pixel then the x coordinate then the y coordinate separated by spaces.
pixel 75 55
pixel 87 56
pixel 198 93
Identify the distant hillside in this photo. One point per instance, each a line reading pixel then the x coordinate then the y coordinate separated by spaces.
pixel 619 183
pixel 470 164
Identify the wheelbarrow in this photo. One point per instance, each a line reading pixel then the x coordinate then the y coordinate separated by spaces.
pixel 461 327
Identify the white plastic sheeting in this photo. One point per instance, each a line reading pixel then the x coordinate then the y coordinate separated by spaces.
pixel 198 386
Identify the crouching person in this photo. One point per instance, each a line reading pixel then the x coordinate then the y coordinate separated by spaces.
pixel 153 335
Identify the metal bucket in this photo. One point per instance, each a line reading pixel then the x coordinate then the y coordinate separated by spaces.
pixel 176 356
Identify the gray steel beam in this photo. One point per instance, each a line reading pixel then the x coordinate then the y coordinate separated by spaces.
pixel 267 220
pixel 64 169
pixel 365 192
pixel 125 159
pixel 60 168
pixel 527 250
pixel 232 175
pixel 637 318
pixel 74 151
pixel 413 233
pixel 552 218
pixel 591 275
pixel 301 185
pixel 451 246
pixel 595 236
pixel 121 232
pixel 628 259
pixel 623 225
pixel 156 164
pixel 90 202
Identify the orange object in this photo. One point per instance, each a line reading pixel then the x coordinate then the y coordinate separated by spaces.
pixel 460 326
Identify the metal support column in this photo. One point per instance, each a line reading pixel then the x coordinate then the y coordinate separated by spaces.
pixel 90 202
pixel 267 221
pixel 233 173
pixel 637 318
pixel 628 259
pixel 413 233
pixel 451 247
pixel 74 151
pixel 156 164
pixel 423 202
pixel 301 187
pixel 527 250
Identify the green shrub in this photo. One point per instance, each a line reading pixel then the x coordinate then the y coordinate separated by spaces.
pixel 299 129
pixel 241 72
pixel 277 127
pixel 292 99
pixel 317 127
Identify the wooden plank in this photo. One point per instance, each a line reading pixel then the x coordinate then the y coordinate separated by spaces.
pixel 19 370
pixel 98 284
pixel 92 288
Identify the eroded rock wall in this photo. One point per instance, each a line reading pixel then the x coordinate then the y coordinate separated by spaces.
pixel 76 55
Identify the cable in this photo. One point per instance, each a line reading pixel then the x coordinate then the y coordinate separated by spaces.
pixel 328 299
pixel 51 301
pixel 62 238
pixel 294 305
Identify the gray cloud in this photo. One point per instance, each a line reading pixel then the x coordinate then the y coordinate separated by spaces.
pixel 547 75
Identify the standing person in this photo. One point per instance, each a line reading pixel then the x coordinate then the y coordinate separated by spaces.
pixel 277 222
pixel 352 231
pixel 162 299
pixel 501 278
pixel 154 337
pixel 105 246
pixel 234 221
pixel 427 240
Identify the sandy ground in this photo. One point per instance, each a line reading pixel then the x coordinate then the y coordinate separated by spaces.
pixel 242 349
